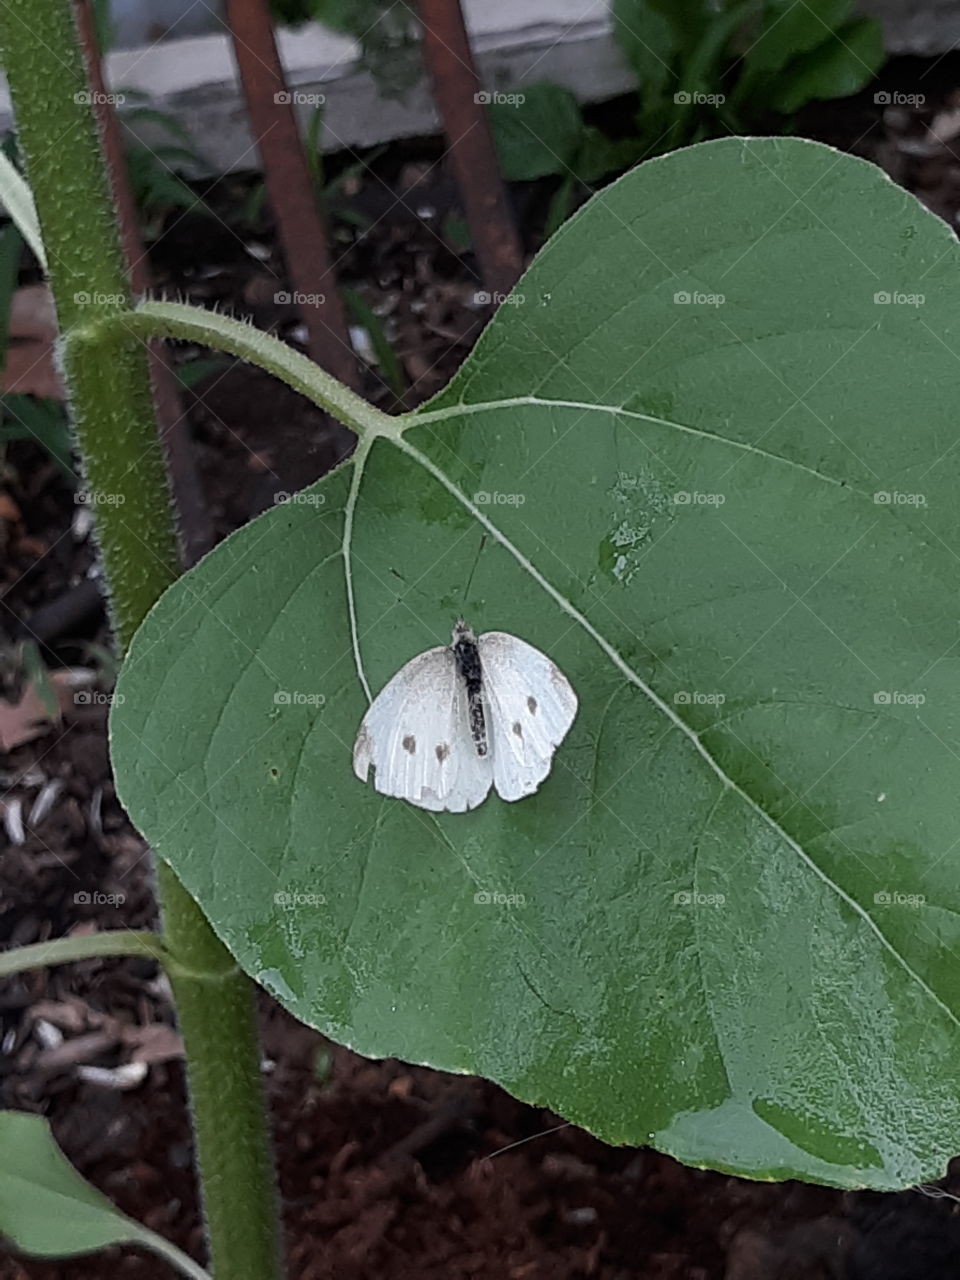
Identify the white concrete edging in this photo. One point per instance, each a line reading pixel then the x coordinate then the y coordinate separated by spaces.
pixel 515 42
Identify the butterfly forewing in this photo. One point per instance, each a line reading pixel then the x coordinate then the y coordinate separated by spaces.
pixel 416 736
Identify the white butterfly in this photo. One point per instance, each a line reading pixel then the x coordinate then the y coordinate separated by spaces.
pixel 480 712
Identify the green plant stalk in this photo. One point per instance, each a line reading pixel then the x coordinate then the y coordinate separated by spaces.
pixel 111 942
pixel 223 333
pixel 107 375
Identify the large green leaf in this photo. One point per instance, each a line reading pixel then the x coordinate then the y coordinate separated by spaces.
pixel 47 1209
pixel 702 463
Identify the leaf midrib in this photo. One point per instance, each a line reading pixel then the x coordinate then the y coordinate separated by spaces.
pixel 624 667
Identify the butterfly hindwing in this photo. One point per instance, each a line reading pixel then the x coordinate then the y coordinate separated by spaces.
pixel 531 706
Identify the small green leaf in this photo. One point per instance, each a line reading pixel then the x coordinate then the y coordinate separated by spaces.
pixel 25 417
pixel 842 65
pixel 155 184
pixel 164 120
pixel 36 673
pixel 362 313
pixel 559 208
pixel 312 145
pixel 599 155
pixel 194 371
pixel 48 1210
pixel 687 19
pixel 11 245
pixel 789 29
pixel 17 199
pixel 539 135
pixel 456 231
pixel 103 25
pixel 700 72
pixel 649 43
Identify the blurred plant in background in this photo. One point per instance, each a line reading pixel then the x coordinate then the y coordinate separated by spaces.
pixel 388 35
pixel 704 68
pixel 160 173
pixel 41 419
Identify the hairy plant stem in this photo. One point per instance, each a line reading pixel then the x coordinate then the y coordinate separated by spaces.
pixel 224 333
pixel 124 474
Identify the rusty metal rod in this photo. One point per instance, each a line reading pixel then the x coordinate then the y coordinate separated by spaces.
pixel 456 88
pixel 302 232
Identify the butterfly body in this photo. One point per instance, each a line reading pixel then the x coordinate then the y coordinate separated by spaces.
pixel 467 655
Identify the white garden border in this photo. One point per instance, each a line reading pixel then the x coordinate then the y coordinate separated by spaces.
pixel 515 41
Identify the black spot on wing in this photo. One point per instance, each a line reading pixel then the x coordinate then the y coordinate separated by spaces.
pixel 443 750
pixel 410 744
pixel 532 704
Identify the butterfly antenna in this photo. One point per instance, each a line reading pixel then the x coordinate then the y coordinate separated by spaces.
pixel 466 590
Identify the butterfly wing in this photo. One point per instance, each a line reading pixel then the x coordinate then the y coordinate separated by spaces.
pixel 416 736
pixel 530 706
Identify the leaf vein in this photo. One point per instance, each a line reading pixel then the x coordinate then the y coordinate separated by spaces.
pixel 536 402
